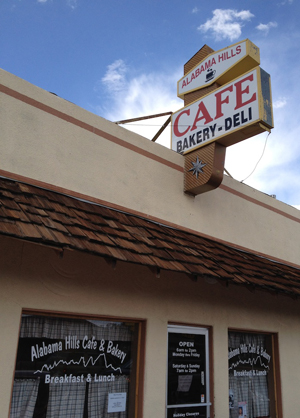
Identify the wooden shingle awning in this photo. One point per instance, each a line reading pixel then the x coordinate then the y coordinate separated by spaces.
pixel 64 222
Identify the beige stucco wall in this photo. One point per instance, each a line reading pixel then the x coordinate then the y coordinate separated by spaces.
pixel 35 277
pixel 131 171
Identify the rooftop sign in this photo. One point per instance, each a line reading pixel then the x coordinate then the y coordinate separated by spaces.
pixel 221 66
pixel 230 114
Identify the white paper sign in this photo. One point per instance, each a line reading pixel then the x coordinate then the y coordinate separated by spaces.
pixel 117 402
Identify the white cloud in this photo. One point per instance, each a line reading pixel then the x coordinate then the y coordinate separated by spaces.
pixel 281 102
pixel 195 10
pixel 131 96
pixel 72 4
pixel 114 78
pixel 265 27
pixel 226 23
pixel 278 171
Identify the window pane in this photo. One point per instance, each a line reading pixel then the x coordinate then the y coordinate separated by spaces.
pixel 251 383
pixel 74 368
pixel 188 380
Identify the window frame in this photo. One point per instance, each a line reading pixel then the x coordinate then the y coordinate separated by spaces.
pixel 275 378
pixel 136 394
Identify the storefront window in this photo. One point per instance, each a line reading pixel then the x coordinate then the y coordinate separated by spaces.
pixel 251 375
pixel 75 368
pixel 188 372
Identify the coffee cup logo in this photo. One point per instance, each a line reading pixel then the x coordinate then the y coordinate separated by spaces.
pixel 210 74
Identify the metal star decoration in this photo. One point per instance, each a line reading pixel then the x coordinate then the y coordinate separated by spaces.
pixel 197 167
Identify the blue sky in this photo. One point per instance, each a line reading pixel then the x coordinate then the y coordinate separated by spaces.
pixel 122 59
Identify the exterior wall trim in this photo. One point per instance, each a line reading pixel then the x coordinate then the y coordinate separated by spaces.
pixel 257 202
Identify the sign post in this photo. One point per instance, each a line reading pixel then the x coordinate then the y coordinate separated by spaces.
pixel 231 101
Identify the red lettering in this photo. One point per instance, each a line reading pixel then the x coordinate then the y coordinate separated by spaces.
pixel 205 115
pixel 219 101
pixel 183 84
pixel 176 131
pixel 238 49
pixel 240 92
pixel 197 72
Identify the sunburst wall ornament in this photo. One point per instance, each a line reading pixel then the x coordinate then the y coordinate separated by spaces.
pixel 197 167
pixel 203 169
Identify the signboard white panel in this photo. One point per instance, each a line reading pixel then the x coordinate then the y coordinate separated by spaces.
pixel 218 116
pixel 215 65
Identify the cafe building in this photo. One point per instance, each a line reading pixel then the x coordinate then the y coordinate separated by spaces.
pixel 124 296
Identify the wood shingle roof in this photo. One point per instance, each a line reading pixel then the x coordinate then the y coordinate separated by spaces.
pixel 39 215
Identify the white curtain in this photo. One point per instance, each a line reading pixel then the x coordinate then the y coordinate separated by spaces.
pixel 260 396
pixel 24 398
pixel 98 397
pixel 250 389
pixel 66 400
pixel 59 328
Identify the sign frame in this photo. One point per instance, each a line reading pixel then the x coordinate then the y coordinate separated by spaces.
pixel 249 59
pixel 260 122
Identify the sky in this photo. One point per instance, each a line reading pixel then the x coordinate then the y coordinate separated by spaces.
pixel 122 59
